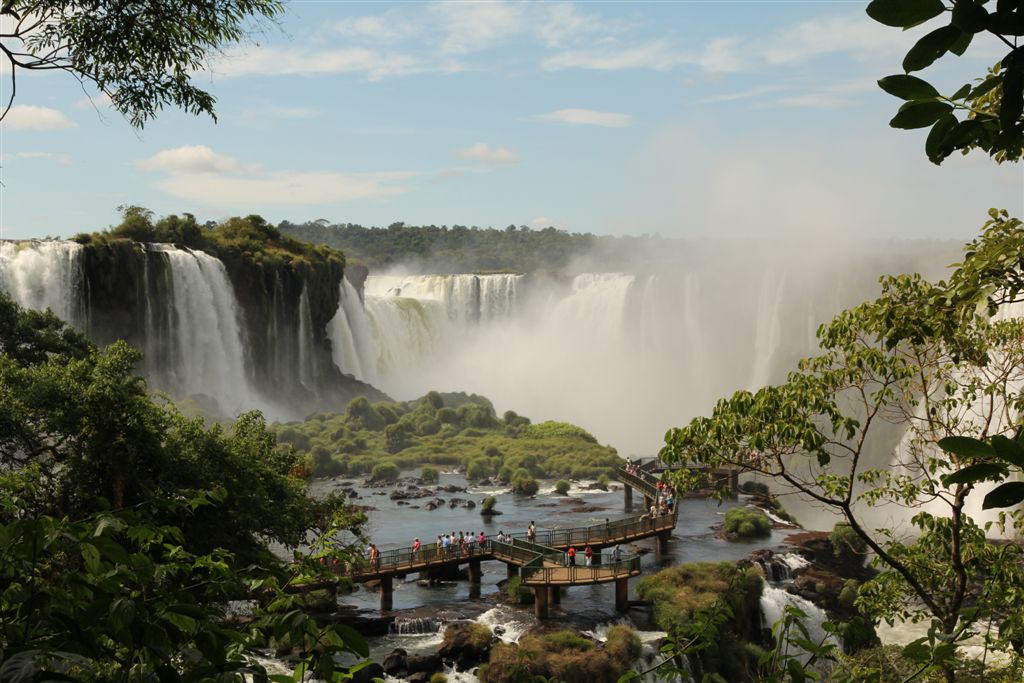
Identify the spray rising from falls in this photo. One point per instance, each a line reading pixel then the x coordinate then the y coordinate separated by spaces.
pixel 624 354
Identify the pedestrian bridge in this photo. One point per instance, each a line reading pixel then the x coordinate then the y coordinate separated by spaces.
pixel 542 562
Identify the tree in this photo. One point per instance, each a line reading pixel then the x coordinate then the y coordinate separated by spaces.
pixel 894 361
pixel 142 55
pixel 992 110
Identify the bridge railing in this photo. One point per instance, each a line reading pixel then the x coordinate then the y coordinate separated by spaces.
pixel 402 558
pixel 642 483
pixel 540 574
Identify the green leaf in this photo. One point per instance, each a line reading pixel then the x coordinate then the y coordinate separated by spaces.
pixel 920 115
pixel 963 92
pixel 1009 450
pixel 1007 23
pixel 966 447
pixel 959 47
pixel 930 48
pixel 986 86
pixel 92 558
pixel 917 651
pixel 1012 105
pixel 904 13
pixel 1006 495
pixel 975 473
pixel 907 87
pixel 969 16
pixel 933 146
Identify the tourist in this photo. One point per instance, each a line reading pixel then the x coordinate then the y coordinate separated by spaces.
pixel 588 555
pixel 617 554
pixel 654 511
pixel 445 545
pixel 572 556
pixel 415 549
pixel 374 557
pixel 483 540
pixel 438 546
pixel 531 533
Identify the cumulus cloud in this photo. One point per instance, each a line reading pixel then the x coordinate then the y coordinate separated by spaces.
pixel 284 187
pixel 31 117
pixel 492 155
pixel 278 61
pixel 589 117
pixel 200 174
pixel 190 159
pixel 101 101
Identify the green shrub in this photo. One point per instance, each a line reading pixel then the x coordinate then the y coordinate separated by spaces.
pixel 848 595
pixel 478 468
pixel 517 593
pixel 847 546
pixel 438 678
pixel 488 503
pixel 385 471
pixel 564 639
pixel 754 487
pixel 623 644
pixel 602 482
pixel 429 475
pixel 526 486
pixel 747 523
pixel 505 474
pixel 561 487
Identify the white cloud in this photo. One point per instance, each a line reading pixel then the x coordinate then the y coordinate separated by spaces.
pixel 658 55
pixel 284 187
pixel 473 26
pixel 198 173
pixel 834 96
pixel 491 155
pixel 190 159
pixel 389 27
pixel 101 101
pixel 856 34
pixel 277 61
pixel 31 117
pixel 64 159
pixel 589 117
pixel 742 94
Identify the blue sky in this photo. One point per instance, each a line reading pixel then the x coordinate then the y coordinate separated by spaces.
pixel 688 119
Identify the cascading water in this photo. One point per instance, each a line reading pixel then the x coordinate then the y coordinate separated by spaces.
pixel 774 601
pixel 206 355
pixel 45 275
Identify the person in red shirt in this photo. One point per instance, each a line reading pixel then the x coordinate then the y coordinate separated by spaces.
pixel 572 556
pixel 589 554
pixel 415 549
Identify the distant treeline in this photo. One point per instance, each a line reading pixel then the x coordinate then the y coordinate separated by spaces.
pixel 451 249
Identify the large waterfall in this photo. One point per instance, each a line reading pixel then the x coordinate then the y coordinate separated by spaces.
pixel 45 275
pixel 625 354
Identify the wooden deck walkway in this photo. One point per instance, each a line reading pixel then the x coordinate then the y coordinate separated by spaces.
pixel 541 562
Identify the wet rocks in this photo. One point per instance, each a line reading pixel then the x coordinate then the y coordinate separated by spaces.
pixel 466 644
pixel 394 663
pixel 368 673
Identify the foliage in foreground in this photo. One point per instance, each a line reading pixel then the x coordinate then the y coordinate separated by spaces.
pixel 125 528
pixel 447 429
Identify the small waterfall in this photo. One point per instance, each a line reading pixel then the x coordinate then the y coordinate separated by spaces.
pixel 352 344
pixel 206 354
pixel 420 626
pixel 304 342
pixel 780 568
pixel 774 601
pixel 45 275
pixel 507 623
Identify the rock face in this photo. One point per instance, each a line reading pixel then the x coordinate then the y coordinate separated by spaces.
pixel 466 644
pixel 368 673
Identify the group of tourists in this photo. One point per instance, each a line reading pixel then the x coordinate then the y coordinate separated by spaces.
pixel 632 467
pixel 456 544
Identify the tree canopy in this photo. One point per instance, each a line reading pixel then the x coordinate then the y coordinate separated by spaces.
pixel 986 115
pixel 143 55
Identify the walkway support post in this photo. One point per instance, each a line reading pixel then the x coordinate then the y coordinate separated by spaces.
pixel 663 542
pixel 622 595
pixel 554 595
pixel 474 571
pixel 627 497
pixel 387 594
pixel 540 602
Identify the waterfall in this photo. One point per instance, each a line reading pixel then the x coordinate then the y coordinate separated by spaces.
pixel 416 626
pixel 774 602
pixel 207 356
pixel 45 275
pixel 304 343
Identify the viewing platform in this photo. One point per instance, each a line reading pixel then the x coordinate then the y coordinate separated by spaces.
pixel 542 562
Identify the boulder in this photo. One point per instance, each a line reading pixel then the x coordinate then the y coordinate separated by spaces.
pixel 428 664
pixel 466 644
pixel 368 673
pixel 419 677
pixel 394 663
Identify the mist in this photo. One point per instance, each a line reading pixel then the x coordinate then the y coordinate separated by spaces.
pixel 626 343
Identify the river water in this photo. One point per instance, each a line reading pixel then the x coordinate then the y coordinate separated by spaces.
pixel 421 610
